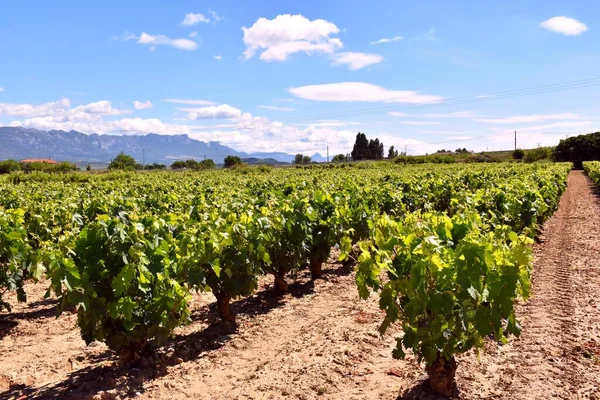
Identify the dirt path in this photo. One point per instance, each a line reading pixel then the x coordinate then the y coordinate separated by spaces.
pixel 321 341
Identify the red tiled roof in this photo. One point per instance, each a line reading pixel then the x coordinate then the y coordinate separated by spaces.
pixel 41 160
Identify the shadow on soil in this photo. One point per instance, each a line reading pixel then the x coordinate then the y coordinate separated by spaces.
pixel 10 320
pixel 129 380
pixel 422 391
pixel 595 189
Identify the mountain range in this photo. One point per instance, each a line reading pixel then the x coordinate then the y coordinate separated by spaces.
pixel 21 143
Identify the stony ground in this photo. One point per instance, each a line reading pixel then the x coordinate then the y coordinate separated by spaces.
pixel 321 341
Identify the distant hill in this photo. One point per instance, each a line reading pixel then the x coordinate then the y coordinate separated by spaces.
pixel 19 143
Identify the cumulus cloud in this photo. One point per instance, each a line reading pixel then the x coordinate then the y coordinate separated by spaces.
pixel 387 40
pixel 360 91
pixel 223 111
pixel 287 34
pixel 34 110
pixel 102 107
pixel 218 58
pixel 192 19
pixel 142 105
pixel 354 60
pixel 565 25
pixel 158 40
pixel 60 110
pixel 275 108
pixel 191 102
pixel 518 119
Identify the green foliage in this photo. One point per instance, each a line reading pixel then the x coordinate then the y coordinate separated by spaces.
pixel 62 167
pixel 452 278
pixel 577 149
pixel 123 277
pixel 592 169
pixel 193 164
pixel 451 282
pixel 518 154
pixel 178 165
pixel 538 154
pixel 8 166
pixel 231 161
pixel 365 149
pixel 434 159
pixel 339 158
pixel 125 248
pixel 123 162
pixel 301 159
pixel 154 167
pixel 17 258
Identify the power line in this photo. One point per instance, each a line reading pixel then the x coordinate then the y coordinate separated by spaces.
pixel 496 135
pixel 459 100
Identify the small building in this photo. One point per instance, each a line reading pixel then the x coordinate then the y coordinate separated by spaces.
pixel 38 160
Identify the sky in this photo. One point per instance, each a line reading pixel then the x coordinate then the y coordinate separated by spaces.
pixel 305 76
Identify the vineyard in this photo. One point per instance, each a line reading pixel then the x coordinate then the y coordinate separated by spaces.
pixel 446 248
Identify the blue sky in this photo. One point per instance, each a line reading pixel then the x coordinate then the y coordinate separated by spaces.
pixel 298 76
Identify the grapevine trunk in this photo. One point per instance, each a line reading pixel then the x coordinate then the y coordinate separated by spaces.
pixel 281 285
pixel 441 375
pixel 223 307
pixel 132 353
pixel 315 268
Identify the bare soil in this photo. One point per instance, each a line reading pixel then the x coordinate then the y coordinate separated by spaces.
pixel 321 341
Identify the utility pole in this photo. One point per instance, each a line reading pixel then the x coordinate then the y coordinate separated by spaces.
pixel 143 156
pixel 515 140
pixel 205 157
pixel 327 153
pixel 405 149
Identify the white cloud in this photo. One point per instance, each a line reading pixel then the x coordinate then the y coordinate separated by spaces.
pixel 1 89
pixel 218 58
pixel 354 60
pixel 223 111
pixel 419 123
pixel 191 102
pixel 34 110
pixel 398 114
pixel 457 114
pixel 519 119
pixel 387 40
pixel 142 105
pixel 250 133
pixel 216 17
pixel 333 123
pixel 275 108
pixel 565 25
pixel 288 34
pixel 430 35
pixel 158 40
pixel 60 110
pixel 360 91
pixel 192 19
pixel 102 107
pixel 193 34
pixel 574 124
